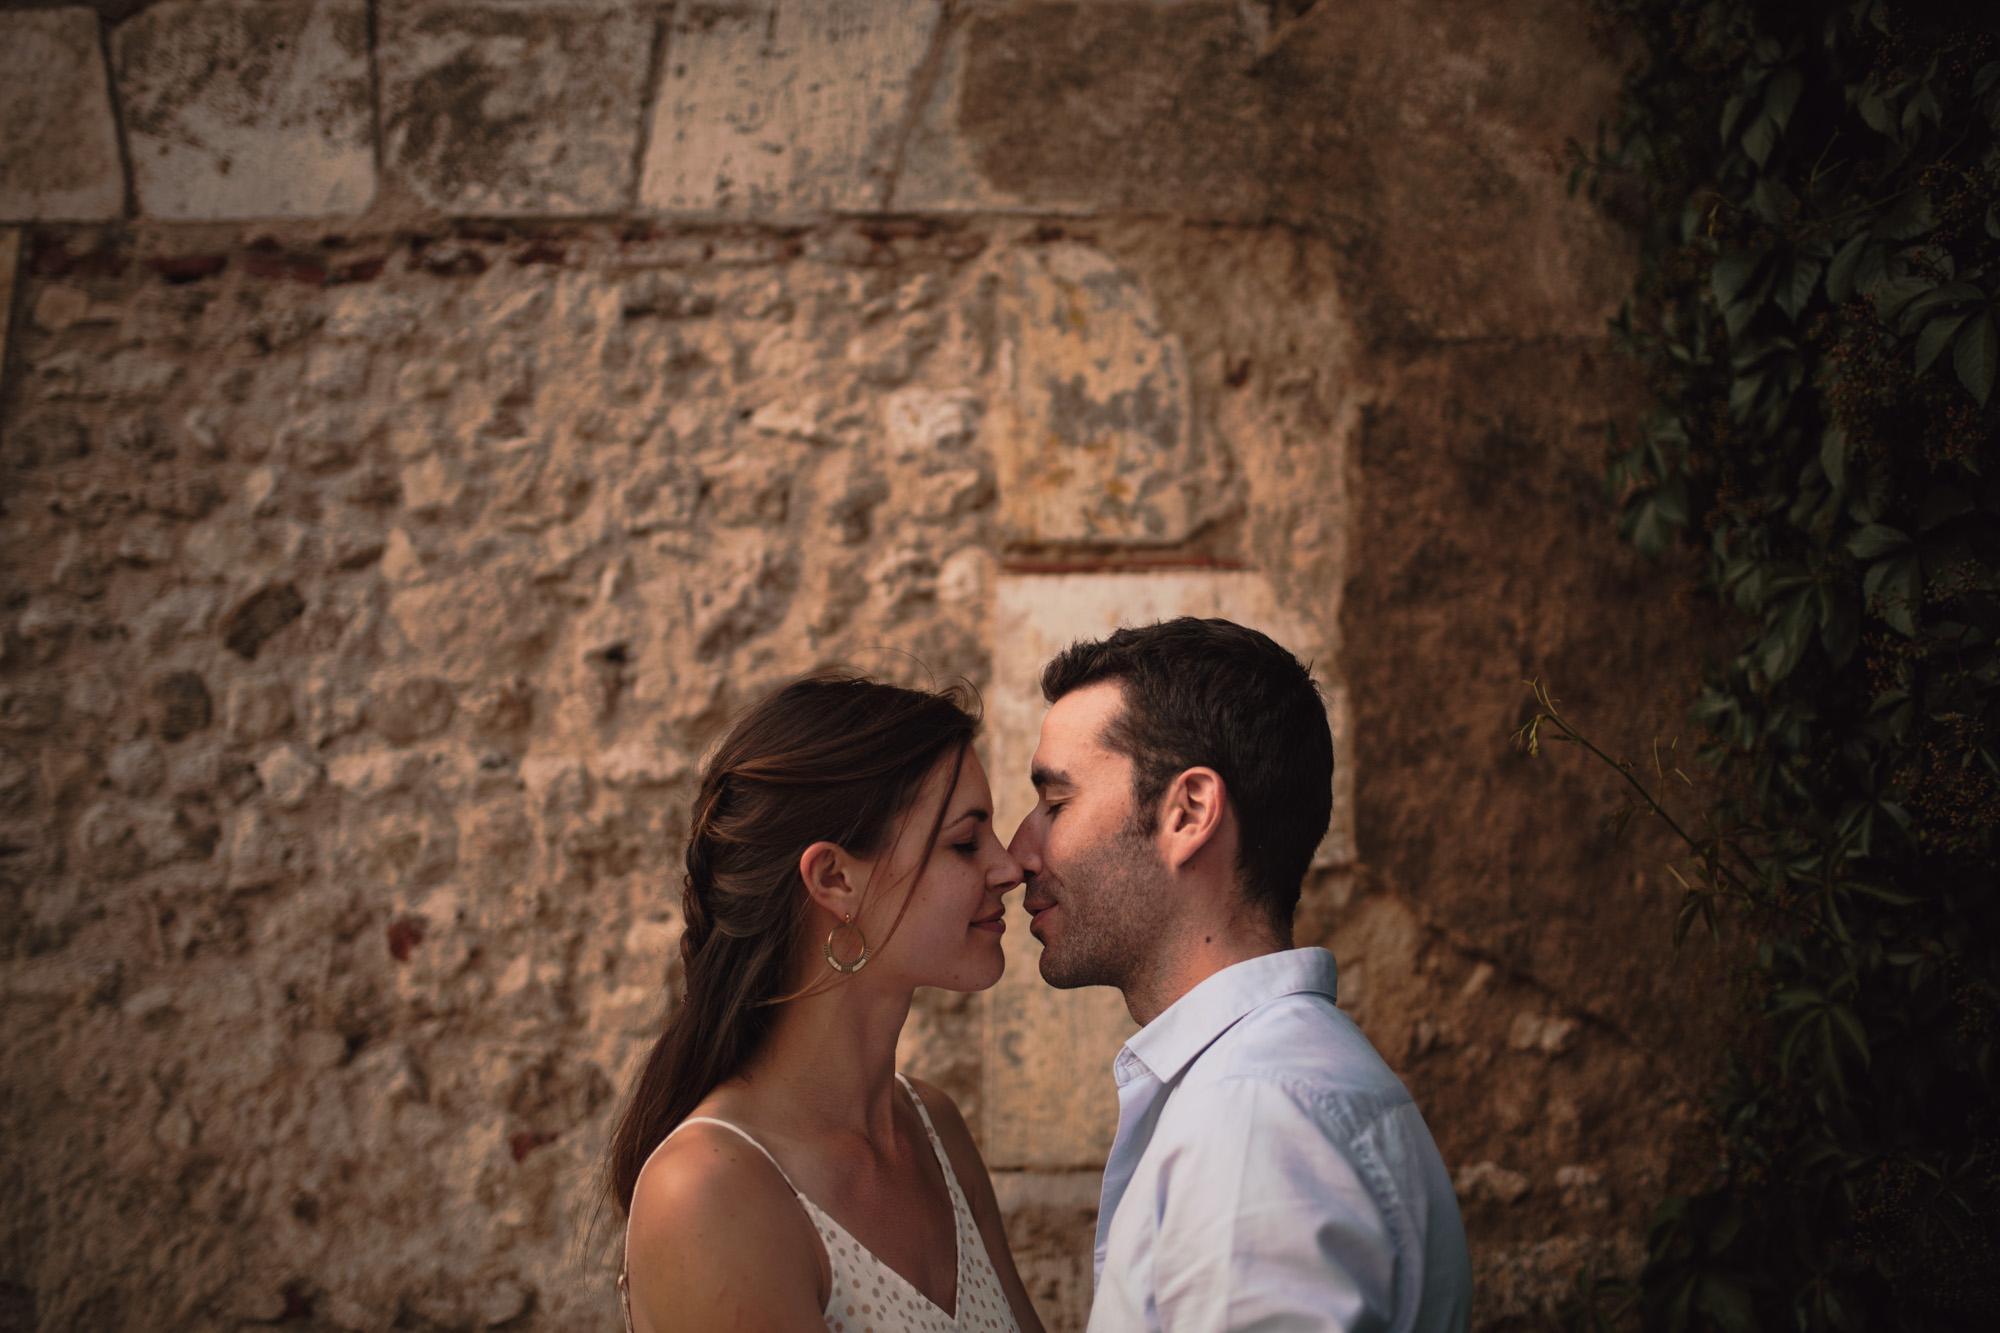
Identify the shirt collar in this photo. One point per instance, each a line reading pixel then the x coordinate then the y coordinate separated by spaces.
pixel 1185 1028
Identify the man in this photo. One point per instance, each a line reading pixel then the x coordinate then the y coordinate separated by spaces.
pixel 1269 1171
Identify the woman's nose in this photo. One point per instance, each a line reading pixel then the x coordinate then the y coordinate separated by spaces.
pixel 1007 873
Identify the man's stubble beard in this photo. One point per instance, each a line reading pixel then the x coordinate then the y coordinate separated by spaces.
pixel 1106 943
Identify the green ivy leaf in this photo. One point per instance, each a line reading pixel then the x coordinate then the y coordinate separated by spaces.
pixel 1781 95
pixel 1976 356
pixel 1790 634
pixel 1840 274
pixel 1924 106
pixel 1850 1027
pixel 1910 218
pixel 1773 201
pixel 1896 293
pixel 1892 588
pixel 1875 113
pixel 1875 541
pixel 1936 337
pixel 1732 112
pixel 1743 394
pixel 1733 273
pixel 1760 138
pixel 1948 297
pixel 1833 456
pixel 1793 295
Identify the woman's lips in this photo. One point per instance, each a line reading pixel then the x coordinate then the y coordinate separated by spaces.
pixel 997 923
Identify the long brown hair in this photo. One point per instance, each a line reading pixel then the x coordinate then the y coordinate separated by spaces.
pixel 829 756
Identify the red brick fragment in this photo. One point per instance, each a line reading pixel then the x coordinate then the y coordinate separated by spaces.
pixel 188 268
pixel 358 270
pixel 527 1141
pixel 405 934
pixel 266 263
pixel 541 252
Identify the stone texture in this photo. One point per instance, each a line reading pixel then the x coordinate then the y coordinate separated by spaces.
pixel 1491 1182
pixel 1479 577
pixel 59 157
pixel 1050 1218
pixel 367 601
pixel 1095 107
pixel 495 110
pixel 10 267
pixel 1095 433
pixel 1429 140
pixel 441 794
pixel 248 109
pixel 784 109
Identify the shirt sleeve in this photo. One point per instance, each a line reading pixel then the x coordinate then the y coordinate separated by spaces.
pixel 1268 1219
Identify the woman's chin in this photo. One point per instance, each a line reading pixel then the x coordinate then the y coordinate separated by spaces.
pixel 985 977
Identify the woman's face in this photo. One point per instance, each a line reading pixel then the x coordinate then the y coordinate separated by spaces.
pixel 950 932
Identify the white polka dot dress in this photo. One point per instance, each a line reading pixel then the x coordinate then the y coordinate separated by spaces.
pixel 868 1296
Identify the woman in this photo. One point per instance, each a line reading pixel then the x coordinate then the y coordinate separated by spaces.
pixel 775 1170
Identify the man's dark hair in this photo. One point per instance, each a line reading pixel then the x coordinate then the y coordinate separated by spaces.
pixel 1213 693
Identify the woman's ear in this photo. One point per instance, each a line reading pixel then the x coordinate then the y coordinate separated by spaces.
pixel 1191 814
pixel 830 877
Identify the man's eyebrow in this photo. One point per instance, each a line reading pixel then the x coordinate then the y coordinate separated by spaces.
pixel 1048 777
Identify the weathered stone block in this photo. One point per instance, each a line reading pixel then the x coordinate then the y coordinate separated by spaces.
pixel 246 110
pixel 59 154
pixel 1094 428
pixel 1103 108
pixel 496 110
pixel 289 775
pixel 1051 1217
pixel 1490 1182
pixel 783 109
pixel 1048 1101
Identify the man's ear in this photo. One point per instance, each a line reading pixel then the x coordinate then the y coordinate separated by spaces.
pixel 1191 814
pixel 831 879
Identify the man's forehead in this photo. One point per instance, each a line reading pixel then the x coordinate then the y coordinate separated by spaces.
pixel 1073 728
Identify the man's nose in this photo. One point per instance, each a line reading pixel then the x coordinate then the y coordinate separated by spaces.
pixel 1025 847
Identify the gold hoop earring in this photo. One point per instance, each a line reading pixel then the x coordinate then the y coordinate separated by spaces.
pixel 847 923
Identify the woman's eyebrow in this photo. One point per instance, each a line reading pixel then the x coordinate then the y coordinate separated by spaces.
pixel 978 814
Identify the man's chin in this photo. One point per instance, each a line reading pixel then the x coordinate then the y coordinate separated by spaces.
pixel 1057 975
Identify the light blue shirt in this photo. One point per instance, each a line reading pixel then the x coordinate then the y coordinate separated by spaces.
pixel 1270 1172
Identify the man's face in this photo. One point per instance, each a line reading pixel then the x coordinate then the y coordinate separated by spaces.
pixel 1091 867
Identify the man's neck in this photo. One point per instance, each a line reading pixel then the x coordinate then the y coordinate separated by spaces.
pixel 1192 957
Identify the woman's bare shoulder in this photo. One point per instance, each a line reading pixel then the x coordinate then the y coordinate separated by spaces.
pixel 713 1226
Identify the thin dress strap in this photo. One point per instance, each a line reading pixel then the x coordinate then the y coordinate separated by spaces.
pixel 741 1133
pixel 930 1130
pixel 625 1272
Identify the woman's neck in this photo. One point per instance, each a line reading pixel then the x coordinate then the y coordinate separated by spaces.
pixel 828 1067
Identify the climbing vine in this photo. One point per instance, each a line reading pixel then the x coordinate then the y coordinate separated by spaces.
pixel 1817 184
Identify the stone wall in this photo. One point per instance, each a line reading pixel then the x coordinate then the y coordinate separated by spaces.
pixel 425 422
